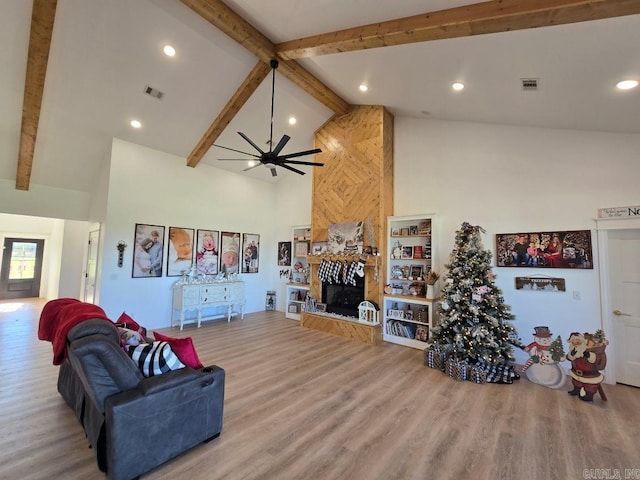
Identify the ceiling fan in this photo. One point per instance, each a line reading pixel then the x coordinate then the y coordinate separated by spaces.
pixel 272 158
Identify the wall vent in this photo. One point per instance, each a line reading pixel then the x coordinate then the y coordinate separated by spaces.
pixel 153 92
pixel 529 84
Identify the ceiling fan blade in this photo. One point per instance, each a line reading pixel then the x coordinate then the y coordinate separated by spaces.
pixel 251 168
pixel 300 154
pixel 273 172
pixel 291 168
pixel 251 143
pixel 283 141
pixel 298 162
pixel 238 151
pixel 234 159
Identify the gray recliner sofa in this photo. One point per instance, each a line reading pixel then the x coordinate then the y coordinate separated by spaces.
pixel 133 423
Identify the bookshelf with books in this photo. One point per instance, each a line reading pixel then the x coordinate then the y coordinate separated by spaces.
pixel 408 314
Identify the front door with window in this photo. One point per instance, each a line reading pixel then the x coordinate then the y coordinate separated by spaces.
pixel 21 268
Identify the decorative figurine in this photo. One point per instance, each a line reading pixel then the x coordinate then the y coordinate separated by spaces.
pixel 543 367
pixel 587 357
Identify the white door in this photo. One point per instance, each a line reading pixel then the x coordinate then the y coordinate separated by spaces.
pixel 624 255
pixel 90 272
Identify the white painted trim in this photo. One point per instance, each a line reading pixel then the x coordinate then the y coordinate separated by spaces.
pixel 604 226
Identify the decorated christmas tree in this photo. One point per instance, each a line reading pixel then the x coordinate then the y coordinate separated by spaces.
pixel 475 322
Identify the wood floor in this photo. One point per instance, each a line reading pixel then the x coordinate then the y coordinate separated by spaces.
pixel 302 404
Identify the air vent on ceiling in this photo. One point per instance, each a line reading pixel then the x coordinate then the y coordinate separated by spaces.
pixel 529 84
pixel 154 92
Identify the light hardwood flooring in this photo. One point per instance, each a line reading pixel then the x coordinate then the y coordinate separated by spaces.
pixel 302 404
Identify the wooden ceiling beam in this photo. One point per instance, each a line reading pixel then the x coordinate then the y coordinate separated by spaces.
pixel 250 84
pixel 226 20
pixel 468 20
pixel 42 19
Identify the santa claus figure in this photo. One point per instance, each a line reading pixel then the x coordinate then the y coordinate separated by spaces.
pixel 587 357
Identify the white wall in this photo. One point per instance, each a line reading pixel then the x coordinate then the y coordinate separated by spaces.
pixel 293 207
pixel 151 187
pixel 43 201
pixel 514 179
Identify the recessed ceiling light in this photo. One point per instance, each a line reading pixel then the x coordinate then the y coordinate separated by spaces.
pixel 627 84
pixel 293 120
pixel 457 86
pixel 363 87
pixel 135 123
pixel 251 163
pixel 169 51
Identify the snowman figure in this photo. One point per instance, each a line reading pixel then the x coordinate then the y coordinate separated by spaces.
pixel 542 367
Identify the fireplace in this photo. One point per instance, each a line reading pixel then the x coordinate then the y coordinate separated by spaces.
pixel 343 299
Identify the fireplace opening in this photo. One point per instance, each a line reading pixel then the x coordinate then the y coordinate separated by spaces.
pixel 343 299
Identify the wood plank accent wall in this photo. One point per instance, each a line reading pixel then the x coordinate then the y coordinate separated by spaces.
pixel 356 182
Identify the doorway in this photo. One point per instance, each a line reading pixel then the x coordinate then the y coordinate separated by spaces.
pixel 624 307
pixel 21 269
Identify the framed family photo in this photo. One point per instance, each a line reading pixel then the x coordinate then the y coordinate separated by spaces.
pixel 148 251
pixel 179 251
pixel 559 249
pixel 250 252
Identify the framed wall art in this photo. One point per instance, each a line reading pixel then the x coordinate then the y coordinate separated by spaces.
pixel 148 251
pixel 250 252
pixel 284 254
pixel 301 249
pixel 345 238
pixel 179 251
pixel 229 252
pixel 560 249
pixel 207 242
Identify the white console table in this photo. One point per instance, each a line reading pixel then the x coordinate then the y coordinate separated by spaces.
pixel 200 296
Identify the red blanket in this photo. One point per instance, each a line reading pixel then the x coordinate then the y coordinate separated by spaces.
pixel 58 317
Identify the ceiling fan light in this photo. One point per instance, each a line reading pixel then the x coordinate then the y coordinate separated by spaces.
pixel 627 84
pixel 169 51
pixel 251 163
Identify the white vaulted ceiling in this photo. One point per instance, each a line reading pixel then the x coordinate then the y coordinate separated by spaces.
pixel 105 52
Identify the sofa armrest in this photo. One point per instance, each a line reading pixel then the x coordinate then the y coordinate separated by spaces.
pixel 163 417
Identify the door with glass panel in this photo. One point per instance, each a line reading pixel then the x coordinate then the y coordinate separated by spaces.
pixel 21 268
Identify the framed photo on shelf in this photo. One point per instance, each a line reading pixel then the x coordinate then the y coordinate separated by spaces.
pixel 422 333
pixel 301 249
pixel 321 307
pixel 293 308
pixel 418 251
pixel 407 253
pixel 395 232
pixel 207 242
pixel 416 272
pixel 404 231
pixel 319 248
pixel 559 249
pixel 424 228
pixel 180 251
pixel 148 251
pixel 413 230
pixel 250 252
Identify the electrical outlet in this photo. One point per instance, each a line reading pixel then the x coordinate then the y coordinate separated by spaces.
pixel 576 295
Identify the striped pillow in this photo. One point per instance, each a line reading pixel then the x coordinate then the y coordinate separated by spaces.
pixel 155 358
